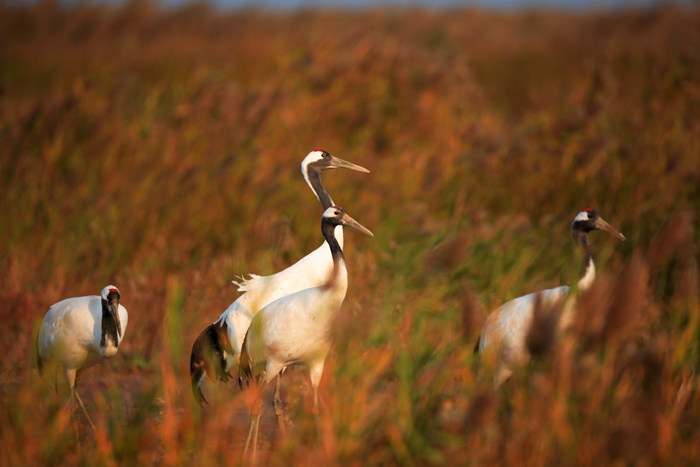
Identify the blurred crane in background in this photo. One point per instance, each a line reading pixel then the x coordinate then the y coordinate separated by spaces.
pixel 506 329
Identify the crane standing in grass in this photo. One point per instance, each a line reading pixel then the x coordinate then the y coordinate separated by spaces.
pixel 296 329
pixel 506 329
pixel 216 350
pixel 78 333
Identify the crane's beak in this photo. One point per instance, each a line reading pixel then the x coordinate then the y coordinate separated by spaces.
pixel 337 163
pixel 350 222
pixel 114 309
pixel 602 225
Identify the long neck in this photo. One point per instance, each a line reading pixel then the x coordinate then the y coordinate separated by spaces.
pixel 109 326
pixel 588 272
pixel 313 179
pixel 340 275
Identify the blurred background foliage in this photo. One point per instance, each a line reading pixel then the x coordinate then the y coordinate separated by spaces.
pixel 159 150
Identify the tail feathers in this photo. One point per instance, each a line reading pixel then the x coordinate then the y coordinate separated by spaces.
pixel 197 375
pixel 245 371
pixel 208 358
pixel 198 365
pixel 476 346
pixel 246 285
pixel 39 362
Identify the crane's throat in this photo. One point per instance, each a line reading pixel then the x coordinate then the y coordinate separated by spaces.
pixel 110 337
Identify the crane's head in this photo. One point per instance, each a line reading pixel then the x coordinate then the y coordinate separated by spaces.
pixel 335 215
pixel 110 293
pixel 589 219
pixel 317 161
pixel 110 302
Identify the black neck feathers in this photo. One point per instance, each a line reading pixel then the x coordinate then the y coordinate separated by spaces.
pixel 315 182
pixel 328 230
pixel 109 325
pixel 581 240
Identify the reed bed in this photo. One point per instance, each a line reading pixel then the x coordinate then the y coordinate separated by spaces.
pixel 159 150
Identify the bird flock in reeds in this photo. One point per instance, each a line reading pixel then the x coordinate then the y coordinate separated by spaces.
pixel 287 318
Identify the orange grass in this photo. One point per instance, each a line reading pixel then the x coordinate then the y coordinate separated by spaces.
pixel 159 151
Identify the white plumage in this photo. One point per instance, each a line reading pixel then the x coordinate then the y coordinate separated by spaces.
pixel 506 329
pixel 80 332
pixel 296 329
pixel 216 351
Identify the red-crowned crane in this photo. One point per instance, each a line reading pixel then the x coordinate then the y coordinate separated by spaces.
pixel 296 329
pixel 216 350
pixel 80 332
pixel 506 329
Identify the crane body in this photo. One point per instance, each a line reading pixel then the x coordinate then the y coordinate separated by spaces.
pixel 215 353
pixel 296 329
pixel 505 330
pixel 80 332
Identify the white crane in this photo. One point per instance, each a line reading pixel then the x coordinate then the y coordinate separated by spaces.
pixel 506 329
pixel 80 332
pixel 216 350
pixel 296 329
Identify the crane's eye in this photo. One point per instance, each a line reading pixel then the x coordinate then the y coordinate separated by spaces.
pixel 337 213
pixel 325 154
